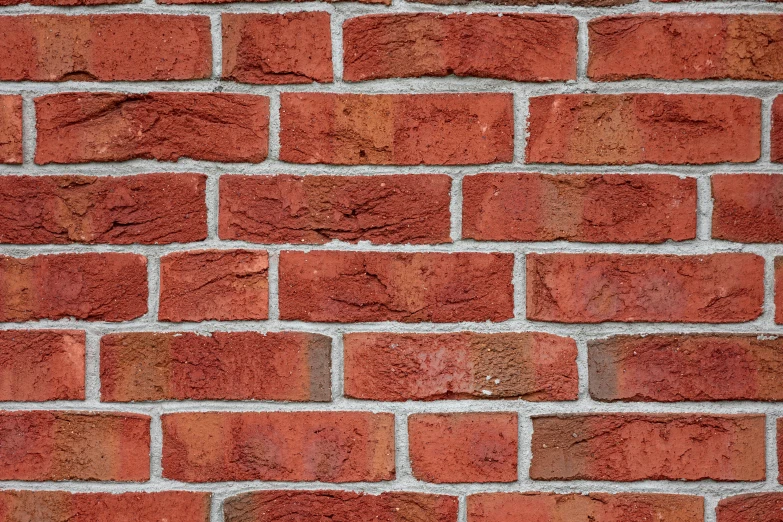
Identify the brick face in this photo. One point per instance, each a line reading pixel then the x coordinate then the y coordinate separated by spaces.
pixel 743 508
pixel 747 208
pixel 11 129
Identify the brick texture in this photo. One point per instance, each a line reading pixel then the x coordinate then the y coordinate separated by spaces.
pixel 509 47
pixel 744 508
pixel 592 208
pixel 223 366
pixel 747 208
pixel 132 47
pixel 777 130
pixel 399 367
pixel 379 286
pixel 10 129
pixel 317 209
pixel 281 446
pixel 148 209
pixel 629 447
pixel 392 129
pixel 605 129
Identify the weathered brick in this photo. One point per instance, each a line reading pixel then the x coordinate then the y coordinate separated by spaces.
pixel 10 129
pixel 59 445
pixel 41 365
pixel 386 2
pixel 84 127
pixel 280 446
pixel 318 209
pixel 593 288
pixel 466 365
pixel 463 447
pixel 671 368
pixel 519 47
pixel 145 209
pixel 286 366
pixel 747 208
pixel 627 447
pixel 277 48
pixel 777 130
pixel 751 508
pixel 133 47
pixel 316 506
pixel 58 506
pixel 396 129
pixel 593 208
pixel 780 450
pixel 686 47
pixel 573 507
pixel 220 285
pixel 94 287
pixel 67 3
pixel 575 3
pixel 778 264
pixel 623 129
pixel 392 286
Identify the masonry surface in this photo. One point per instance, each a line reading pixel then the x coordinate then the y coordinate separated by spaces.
pixel 436 261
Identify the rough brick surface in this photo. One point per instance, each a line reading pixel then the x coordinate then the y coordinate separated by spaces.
pixel 509 47
pixel 624 129
pixel 629 447
pixel 277 48
pixel 777 130
pixel 463 447
pixel 780 450
pixel 221 285
pixel 749 508
pixel 57 506
pixel 281 446
pixel 576 3
pixel 466 365
pixel 396 129
pixel 778 290
pixel 10 129
pixel 592 208
pixel 41 365
pixel 671 368
pixel 408 287
pixel 386 2
pixel 685 46
pixel 85 127
pixel 222 366
pixel 67 3
pixel 317 209
pixel 132 47
pixel 593 288
pixel 57 445
pixel 146 209
pixel 603 507
pixel 93 287
pixel 316 506
pixel 747 208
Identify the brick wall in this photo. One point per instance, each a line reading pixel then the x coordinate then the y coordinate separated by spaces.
pixel 388 260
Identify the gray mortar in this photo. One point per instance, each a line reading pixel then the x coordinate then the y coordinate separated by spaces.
pixel 712 491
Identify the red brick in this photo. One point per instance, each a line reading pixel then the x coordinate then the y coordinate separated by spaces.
pixel 390 286
pixel 686 46
pixel 399 367
pixel 779 290
pixel 751 508
pixel 396 129
pixel 133 47
pixel 318 209
pixel 93 287
pixel 463 447
pixel 671 368
pixel 780 450
pixel 593 288
pixel 67 3
pixel 575 3
pixel 59 445
pixel 280 446
pixel 593 208
pixel 628 447
pixel 506 46
pixel 747 207
pixel 56 506
pixel 41 365
pixel 285 366
pixel 220 285
pixel 277 48
pixel 316 506
pixel 145 209
pixel 777 130
pixel 386 2
pixel 10 129
pixel 573 507
pixel 86 127
pixel 623 129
